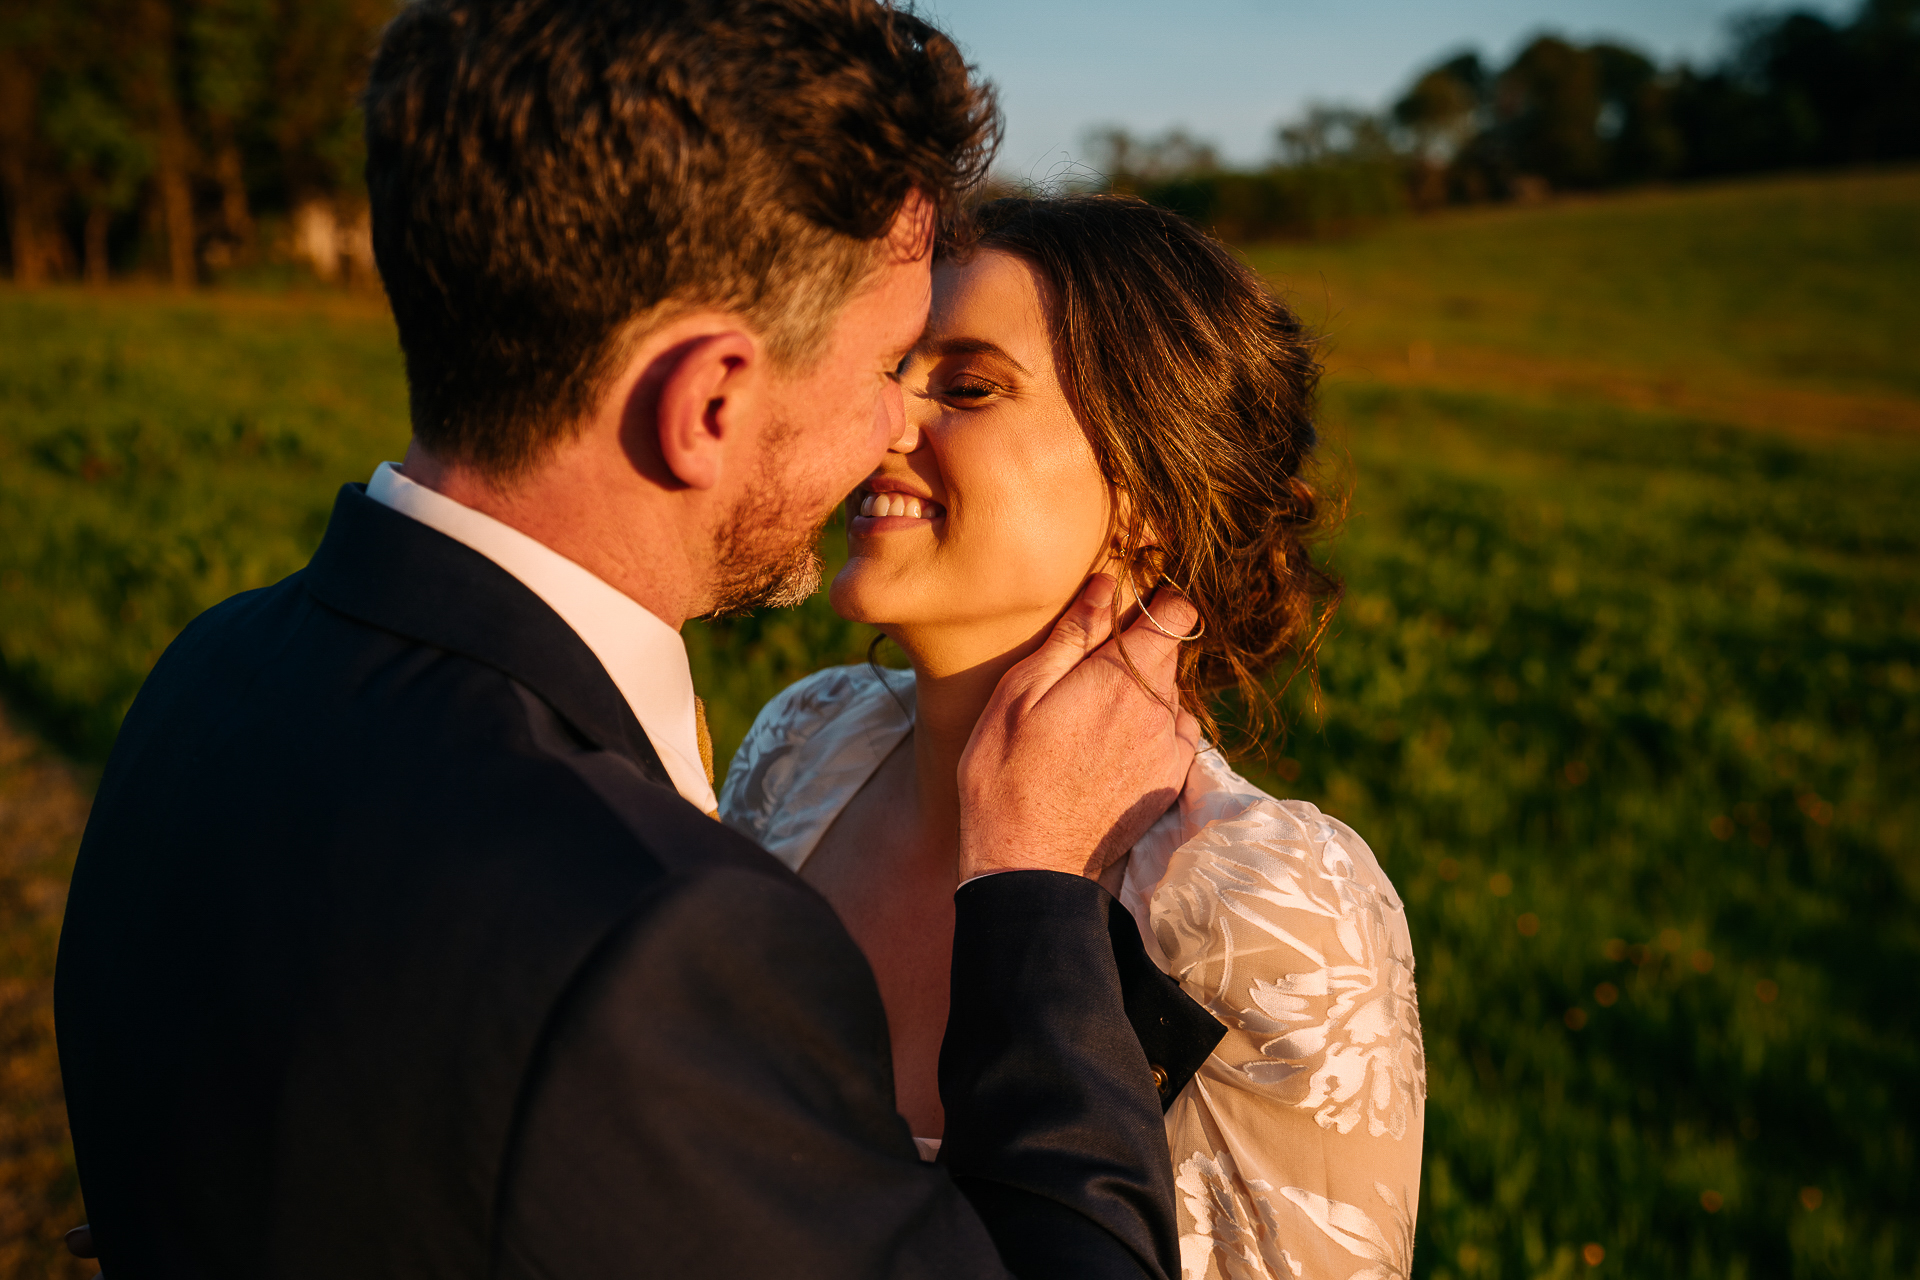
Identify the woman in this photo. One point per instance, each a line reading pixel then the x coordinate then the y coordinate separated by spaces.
pixel 1102 388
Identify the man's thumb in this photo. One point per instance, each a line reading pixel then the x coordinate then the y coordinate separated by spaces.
pixel 1085 625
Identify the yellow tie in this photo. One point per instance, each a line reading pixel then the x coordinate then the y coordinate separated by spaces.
pixel 703 735
pixel 703 738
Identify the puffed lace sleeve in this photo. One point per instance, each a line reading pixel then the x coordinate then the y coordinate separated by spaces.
pixel 1296 1148
pixel 810 749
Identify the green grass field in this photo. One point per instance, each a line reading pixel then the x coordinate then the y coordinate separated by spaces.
pixel 1800 279
pixel 1626 693
pixel 1628 704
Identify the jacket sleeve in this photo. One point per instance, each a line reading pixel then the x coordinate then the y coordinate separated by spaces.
pixel 1049 1078
pixel 715 1098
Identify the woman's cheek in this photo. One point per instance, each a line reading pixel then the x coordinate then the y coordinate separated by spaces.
pixel 1035 555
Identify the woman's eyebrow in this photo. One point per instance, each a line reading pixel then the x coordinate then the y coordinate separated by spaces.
pixel 941 347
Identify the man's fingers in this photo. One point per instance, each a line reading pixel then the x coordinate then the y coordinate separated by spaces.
pixel 1173 611
pixel 1154 652
pixel 1081 629
pixel 1187 729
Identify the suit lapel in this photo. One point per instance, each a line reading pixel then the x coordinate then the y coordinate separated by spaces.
pixel 398 574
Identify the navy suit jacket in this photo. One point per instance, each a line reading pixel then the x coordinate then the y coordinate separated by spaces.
pixel 392 952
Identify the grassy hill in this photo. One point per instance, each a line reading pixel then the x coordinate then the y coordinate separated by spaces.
pixel 1783 302
pixel 1626 694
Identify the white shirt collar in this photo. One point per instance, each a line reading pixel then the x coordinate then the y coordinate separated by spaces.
pixel 644 656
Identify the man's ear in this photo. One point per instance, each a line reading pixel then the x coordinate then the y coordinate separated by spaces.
pixel 708 401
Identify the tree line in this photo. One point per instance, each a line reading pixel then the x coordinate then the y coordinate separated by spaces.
pixel 1795 90
pixel 192 135
pixel 186 135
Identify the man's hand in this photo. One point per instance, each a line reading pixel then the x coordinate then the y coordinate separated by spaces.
pixel 1073 760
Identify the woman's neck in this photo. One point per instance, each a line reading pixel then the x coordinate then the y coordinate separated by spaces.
pixel 952 685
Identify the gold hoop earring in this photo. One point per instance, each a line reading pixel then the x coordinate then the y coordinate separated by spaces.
pixel 1155 622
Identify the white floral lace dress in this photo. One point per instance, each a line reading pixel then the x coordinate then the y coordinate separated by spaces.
pixel 1296 1148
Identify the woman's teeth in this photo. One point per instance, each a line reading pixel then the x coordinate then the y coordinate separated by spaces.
pixel 900 504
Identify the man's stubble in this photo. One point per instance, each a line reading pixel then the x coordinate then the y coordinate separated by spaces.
pixel 767 555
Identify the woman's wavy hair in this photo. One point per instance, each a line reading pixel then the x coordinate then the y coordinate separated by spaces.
pixel 1196 387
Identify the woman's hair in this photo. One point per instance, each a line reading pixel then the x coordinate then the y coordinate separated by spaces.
pixel 1196 387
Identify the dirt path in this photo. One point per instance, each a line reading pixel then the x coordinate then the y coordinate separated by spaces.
pixel 43 806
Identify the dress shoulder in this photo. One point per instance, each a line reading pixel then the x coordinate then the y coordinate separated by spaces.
pixel 1297 1147
pixel 810 749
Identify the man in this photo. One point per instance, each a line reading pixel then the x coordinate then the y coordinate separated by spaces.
pixel 400 943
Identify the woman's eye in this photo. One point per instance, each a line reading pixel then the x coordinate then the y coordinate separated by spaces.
pixel 963 389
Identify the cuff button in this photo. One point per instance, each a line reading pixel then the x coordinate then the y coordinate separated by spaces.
pixel 1159 1077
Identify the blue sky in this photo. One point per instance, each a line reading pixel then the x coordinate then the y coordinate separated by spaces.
pixel 1230 70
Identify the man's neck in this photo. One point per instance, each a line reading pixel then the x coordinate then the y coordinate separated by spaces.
pixel 564 505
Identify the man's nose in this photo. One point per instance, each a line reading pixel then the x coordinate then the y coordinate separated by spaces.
pixel 907 438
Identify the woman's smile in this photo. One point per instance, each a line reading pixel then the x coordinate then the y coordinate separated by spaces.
pixel 883 505
pixel 992 471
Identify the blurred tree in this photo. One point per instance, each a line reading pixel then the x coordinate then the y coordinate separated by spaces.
pixel 105 156
pixel 1548 104
pixel 1336 167
pixel 203 110
pixel 1445 108
pixel 29 169
pixel 1126 162
pixel 318 61
pixel 1804 69
pixel 1801 90
pixel 1448 108
pixel 151 71
pixel 1333 135
pixel 1638 139
pixel 1795 89
pixel 228 44
pixel 1886 38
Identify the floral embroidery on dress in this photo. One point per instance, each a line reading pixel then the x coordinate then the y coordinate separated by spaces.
pixel 1357 1232
pixel 1337 1027
pixel 1233 1226
pixel 1296 1148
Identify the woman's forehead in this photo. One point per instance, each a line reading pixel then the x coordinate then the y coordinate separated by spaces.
pixel 994 298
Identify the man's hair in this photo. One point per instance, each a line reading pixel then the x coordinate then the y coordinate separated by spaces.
pixel 552 178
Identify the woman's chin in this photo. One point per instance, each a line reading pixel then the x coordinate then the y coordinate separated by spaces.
pixel 855 595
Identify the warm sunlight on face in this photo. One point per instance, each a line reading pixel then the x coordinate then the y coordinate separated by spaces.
pixel 828 424
pixel 839 412
pixel 989 511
